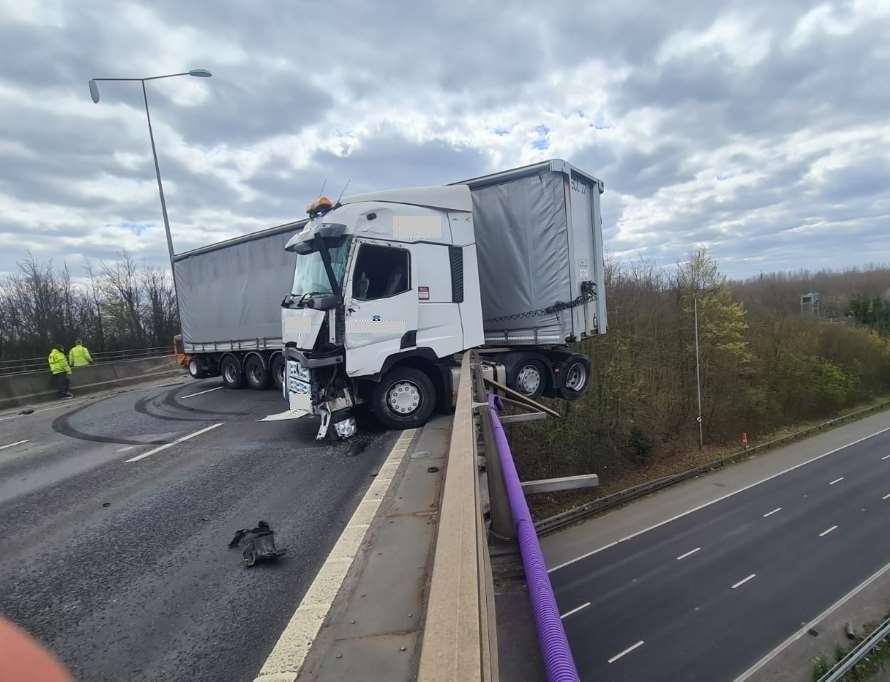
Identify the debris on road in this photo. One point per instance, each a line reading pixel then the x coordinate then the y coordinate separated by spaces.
pixel 260 544
pixel 28 411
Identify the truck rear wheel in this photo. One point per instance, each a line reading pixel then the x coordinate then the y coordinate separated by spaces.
pixel 529 377
pixel 258 377
pixel 575 375
pixel 404 399
pixel 232 375
pixel 195 369
pixel 277 368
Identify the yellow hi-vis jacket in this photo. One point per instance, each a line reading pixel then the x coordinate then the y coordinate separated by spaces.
pixel 79 356
pixel 58 363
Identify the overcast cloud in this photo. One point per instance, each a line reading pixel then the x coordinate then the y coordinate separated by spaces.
pixel 756 129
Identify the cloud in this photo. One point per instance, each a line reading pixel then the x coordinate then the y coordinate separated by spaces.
pixel 756 129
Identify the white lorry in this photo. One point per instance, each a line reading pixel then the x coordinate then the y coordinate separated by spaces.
pixel 389 288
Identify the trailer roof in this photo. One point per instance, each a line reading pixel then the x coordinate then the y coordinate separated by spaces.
pixel 268 232
pixel 552 165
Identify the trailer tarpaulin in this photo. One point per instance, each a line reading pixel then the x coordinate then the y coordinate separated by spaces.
pixel 234 292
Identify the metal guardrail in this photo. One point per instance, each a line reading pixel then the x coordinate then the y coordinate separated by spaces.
pixel 857 653
pixel 582 511
pixel 460 639
pixel 39 364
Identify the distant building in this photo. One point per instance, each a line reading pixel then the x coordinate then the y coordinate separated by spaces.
pixel 811 305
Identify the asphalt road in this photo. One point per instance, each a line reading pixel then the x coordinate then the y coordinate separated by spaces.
pixel 704 596
pixel 122 567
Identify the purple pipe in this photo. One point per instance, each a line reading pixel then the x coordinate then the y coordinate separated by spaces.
pixel 558 662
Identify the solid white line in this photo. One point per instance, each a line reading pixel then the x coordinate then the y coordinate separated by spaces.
pixel 626 651
pixel 12 445
pixel 827 531
pixel 837 480
pixel 175 442
pixel 744 580
pixel 886 496
pixel 803 630
pixel 770 513
pixel 192 395
pixel 293 645
pixel 575 610
pixel 716 500
pixel 689 553
pixel 885 457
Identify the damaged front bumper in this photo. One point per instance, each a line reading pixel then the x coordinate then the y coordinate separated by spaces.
pixel 315 385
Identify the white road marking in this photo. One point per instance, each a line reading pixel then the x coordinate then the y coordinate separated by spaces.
pixel 770 513
pixel 885 457
pixel 292 647
pixel 744 580
pixel 192 395
pixel 175 442
pixel 837 480
pixel 886 496
pixel 689 553
pixel 813 623
pixel 126 448
pixel 12 445
pixel 716 500
pixel 626 651
pixel 575 610
pixel 827 531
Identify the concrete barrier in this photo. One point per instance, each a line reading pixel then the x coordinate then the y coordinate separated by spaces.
pixel 35 387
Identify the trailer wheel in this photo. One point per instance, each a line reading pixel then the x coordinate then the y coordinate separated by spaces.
pixel 575 375
pixel 404 399
pixel 277 365
pixel 258 377
pixel 232 375
pixel 529 377
pixel 195 370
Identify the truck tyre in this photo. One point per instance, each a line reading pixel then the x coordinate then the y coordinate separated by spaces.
pixel 575 377
pixel 277 370
pixel 232 375
pixel 404 399
pixel 529 377
pixel 256 374
pixel 195 370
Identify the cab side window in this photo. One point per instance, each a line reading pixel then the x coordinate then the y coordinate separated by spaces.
pixel 381 272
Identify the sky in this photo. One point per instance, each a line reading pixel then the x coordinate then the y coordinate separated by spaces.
pixel 757 130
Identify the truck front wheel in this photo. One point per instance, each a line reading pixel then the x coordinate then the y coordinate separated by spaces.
pixel 404 399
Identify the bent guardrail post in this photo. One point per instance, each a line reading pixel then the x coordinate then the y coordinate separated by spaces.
pixel 558 661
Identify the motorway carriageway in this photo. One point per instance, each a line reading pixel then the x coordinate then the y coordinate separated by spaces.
pixel 705 595
pixel 116 512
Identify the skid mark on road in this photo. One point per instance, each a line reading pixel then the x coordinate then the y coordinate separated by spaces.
pixel 62 425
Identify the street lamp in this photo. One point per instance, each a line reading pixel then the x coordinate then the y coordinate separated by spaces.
pixel 94 93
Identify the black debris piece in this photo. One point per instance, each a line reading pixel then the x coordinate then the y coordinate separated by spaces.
pixel 260 544
pixel 28 411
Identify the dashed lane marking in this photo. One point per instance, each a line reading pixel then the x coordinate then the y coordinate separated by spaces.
pixel 175 442
pixel 827 531
pixel 744 580
pixel 837 480
pixel 209 390
pixel 12 445
pixel 770 513
pixel 575 610
pixel 626 651
pixel 689 553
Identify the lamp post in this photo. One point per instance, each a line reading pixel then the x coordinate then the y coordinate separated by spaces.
pixel 94 93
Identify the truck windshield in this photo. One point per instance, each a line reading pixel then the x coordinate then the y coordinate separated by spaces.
pixel 310 276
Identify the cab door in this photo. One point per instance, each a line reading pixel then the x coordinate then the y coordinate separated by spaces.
pixel 381 305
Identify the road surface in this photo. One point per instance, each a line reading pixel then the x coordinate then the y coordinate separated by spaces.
pixel 707 594
pixel 115 515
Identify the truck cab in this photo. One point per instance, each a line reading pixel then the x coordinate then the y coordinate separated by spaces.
pixel 385 292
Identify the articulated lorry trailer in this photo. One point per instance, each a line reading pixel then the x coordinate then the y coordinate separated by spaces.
pixel 390 288
pixel 371 300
